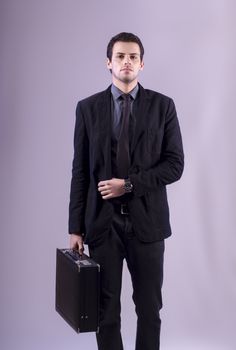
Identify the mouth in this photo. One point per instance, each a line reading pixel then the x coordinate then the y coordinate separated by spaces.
pixel 126 70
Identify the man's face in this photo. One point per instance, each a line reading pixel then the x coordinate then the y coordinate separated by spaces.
pixel 125 63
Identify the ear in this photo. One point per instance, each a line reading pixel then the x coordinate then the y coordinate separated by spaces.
pixel 141 65
pixel 109 65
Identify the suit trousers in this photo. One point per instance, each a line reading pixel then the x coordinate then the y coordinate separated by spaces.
pixel 145 264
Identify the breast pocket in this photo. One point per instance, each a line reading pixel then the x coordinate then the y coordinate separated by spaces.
pixel 154 141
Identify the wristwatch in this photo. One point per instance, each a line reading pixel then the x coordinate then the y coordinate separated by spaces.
pixel 128 185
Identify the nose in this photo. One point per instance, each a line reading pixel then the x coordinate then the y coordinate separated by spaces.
pixel 127 59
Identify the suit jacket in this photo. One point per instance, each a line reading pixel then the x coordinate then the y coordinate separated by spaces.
pixel 156 160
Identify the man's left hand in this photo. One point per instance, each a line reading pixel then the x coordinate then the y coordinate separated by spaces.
pixel 111 188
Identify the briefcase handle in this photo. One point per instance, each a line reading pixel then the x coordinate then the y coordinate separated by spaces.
pixel 75 254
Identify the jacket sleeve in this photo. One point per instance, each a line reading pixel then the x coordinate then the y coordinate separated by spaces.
pixel 80 175
pixel 170 167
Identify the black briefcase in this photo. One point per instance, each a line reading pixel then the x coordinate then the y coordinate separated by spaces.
pixel 77 290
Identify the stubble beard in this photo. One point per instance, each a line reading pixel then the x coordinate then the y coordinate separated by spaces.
pixel 125 79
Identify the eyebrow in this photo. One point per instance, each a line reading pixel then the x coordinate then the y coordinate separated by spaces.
pixel 123 53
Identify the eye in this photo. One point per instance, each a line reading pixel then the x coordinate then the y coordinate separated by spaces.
pixel 133 57
pixel 120 56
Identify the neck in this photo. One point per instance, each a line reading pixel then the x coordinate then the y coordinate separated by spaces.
pixel 125 87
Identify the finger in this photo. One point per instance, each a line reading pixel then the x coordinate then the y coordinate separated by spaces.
pixel 110 195
pixel 103 188
pixel 76 243
pixel 81 248
pixel 100 188
pixel 105 192
pixel 73 244
pixel 104 183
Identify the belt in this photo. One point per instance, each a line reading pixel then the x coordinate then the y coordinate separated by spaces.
pixel 122 208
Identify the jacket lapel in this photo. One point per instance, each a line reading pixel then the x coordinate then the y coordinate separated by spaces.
pixel 103 126
pixel 140 109
pixel 103 131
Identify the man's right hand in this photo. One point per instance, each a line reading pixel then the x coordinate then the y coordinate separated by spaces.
pixel 76 242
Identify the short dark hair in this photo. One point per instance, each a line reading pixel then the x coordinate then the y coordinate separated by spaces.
pixel 125 37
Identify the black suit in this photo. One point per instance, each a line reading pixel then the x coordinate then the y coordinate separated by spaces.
pixel 157 159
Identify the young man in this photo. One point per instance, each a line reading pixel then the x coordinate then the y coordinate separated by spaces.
pixel 127 148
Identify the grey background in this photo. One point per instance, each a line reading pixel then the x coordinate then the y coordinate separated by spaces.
pixel 52 53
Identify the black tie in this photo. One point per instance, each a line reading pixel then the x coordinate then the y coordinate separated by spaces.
pixel 122 156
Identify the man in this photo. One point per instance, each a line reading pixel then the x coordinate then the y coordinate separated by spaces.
pixel 127 149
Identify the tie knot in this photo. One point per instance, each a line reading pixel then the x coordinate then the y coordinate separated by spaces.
pixel 126 97
pixel 126 100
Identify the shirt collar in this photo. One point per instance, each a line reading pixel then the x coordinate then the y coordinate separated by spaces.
pixel 116 93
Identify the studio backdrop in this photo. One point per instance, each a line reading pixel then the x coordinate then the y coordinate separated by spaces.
pixel 52 54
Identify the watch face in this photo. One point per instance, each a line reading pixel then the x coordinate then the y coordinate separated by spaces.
pixel 128 186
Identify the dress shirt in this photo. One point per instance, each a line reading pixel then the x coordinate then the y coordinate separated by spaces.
pixel 117 108
pixel 116 112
